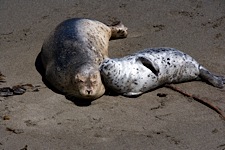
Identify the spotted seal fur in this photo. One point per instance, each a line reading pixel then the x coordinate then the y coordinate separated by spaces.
pixel 72 52
pixel 150 68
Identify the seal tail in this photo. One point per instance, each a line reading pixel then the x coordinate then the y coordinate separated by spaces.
pixel 215 80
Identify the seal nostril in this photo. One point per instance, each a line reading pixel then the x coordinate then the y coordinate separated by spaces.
pixel 88 92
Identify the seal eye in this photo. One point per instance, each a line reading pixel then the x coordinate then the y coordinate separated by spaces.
pixel 94 82
pixel 81 81
pixel 79 78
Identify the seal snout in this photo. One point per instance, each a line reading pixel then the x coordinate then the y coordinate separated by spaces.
pixel 88 91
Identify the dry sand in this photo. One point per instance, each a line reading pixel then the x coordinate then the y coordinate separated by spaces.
pixel 47 120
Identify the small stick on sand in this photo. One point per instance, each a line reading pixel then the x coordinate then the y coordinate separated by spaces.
pixel 203 101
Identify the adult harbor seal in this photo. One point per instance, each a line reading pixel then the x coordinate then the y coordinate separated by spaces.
pixel 72 53
pixel 148 69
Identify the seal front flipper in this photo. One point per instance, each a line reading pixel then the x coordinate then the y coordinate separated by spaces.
pixel 149 64
pixel 216 81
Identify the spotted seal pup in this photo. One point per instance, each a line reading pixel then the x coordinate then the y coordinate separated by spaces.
pixel 148 69
pixel 72 53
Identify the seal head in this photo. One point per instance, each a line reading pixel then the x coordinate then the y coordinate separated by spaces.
pixel 87 84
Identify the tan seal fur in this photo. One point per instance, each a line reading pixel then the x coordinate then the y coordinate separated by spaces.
pixel 72 53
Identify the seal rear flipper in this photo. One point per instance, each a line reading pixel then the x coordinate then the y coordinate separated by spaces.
pixel 216 81
pixel 222 78
pixel 118 30
pixel 149 64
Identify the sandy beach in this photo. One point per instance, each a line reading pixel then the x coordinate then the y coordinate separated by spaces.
pixel 43 119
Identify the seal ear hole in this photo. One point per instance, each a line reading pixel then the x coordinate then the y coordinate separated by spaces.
pixel 150 65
